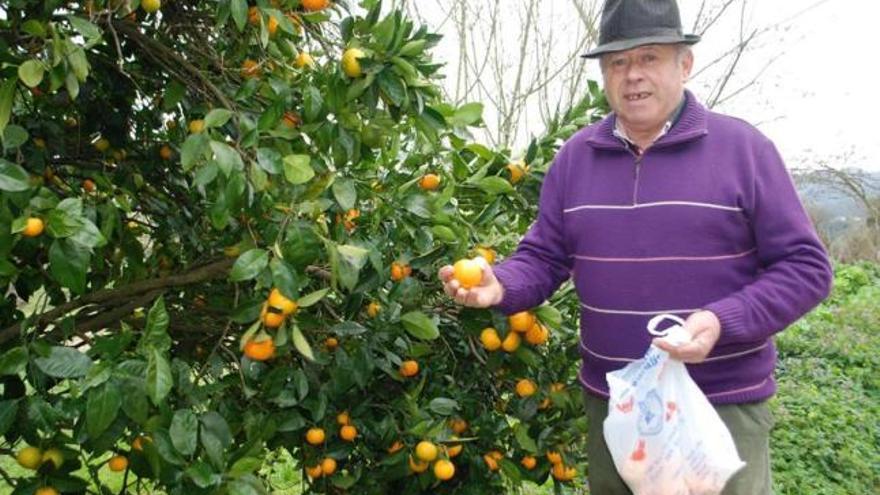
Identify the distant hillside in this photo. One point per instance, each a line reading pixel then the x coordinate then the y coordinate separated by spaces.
pixel 843 210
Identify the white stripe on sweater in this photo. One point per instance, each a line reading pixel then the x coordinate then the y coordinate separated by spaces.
pixel 634 312
pixel 652 205
pixel 664 258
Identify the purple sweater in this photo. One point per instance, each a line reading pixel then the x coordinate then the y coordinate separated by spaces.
pixel 707 218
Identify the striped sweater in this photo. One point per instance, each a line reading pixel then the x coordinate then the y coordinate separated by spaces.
pixel 707 218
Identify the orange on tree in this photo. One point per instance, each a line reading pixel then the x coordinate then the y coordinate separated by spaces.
pixel 351 64
pixel 538 334
pixel 315 436
pixel 117 463
pixel 46 490
pixel 511 342
pixel 426 451
pixel 253 15
pixel 517 171
pixel 196 126
pixel 53 455
pixel 396 446
pixel 151 6
pixel 469 273
pixel 418 466
pixel 250 68
pixel 272 25
pixel 399 271
pixel 487 253
pixel 348 433
pixel 343 418
pixel 491 459
pixel 373 309
pixel 260 350
pixel 453 449
pixel 409 368
pixel 331 343
pixel 554 457
pixel 429 182
pixel 33 227
pixel 314 5
pixel 88 185
pixel 563 473
pixel 102 144
pixel 529 462
pixel 521 322
pixel 557 387
pixel 444 470
pixel 526 388
pixel 315 471
pixel 139 441
pixel 458 425
pixel 490 339
pixel 29 457
pixel 328 466
pixel 280 302
pixel 303 60
pixel 165 152
pixel 271 317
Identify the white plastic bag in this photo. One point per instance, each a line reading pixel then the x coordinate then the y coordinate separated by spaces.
pixel 664 436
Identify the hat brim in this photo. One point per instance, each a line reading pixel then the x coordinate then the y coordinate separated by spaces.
pixel 621 45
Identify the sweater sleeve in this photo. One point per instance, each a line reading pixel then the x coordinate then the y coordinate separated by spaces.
pixel 796 274
pixel 540 263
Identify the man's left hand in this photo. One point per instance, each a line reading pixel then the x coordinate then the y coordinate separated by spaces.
pixel 705 328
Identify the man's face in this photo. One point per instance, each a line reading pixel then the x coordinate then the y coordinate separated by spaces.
pixel 645 84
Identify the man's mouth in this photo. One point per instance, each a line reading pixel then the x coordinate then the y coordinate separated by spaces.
pixel 636 96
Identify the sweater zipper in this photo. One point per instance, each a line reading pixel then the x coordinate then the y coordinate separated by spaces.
pixel 638 162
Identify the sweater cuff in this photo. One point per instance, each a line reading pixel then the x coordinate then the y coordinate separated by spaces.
pixel 514 295
pixel 731 314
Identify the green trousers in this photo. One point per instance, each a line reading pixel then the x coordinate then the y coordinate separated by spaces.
pixel 749 424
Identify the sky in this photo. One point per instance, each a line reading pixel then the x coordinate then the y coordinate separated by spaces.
pixel 816 101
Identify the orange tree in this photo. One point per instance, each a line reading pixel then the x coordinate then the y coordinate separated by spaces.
pixel 220 229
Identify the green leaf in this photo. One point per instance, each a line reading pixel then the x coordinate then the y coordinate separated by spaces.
pixel 239 10
pixel 159 378
pixel 64 220
pixel 312 103
pixel 13 361
pixel 14 136
pixel 102 406
pixel 64 362
pixel 420 325
pixel 413 47
pixel 348 328
pixel 495 185
pixel 249 265
pixel 69 263
pixel 88 235
pixel 34 28
pixel 8 413
pixel 525 441
pixel 78 62
pixel 72 85
pixel 203 475
pixel 184 431
pixel 217 117
pixel 345 193
pixel 155 334
pixel 311 299
pixel 13 178
pixel 443 406
pixel 443 233
pixel 550 316
pixel 7 95
pixel 31 73
pixel 245 465
pixel 297 169
pixel 85 28
pixel 390 84
pixel 215 437
pixel 269 160
pixel 301 344
pixel 226 157
pixel 193 148
pixel 467 114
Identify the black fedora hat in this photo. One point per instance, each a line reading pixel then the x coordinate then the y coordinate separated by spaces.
pixel 627 24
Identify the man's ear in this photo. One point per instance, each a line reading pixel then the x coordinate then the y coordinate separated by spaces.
pixel 687 64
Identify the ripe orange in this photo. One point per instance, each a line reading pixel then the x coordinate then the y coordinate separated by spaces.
pixel 315 471
pixel 521 322
pixel 278 301
pixel 55 456
pixel 250 68
pixel 490 339
pixel 487 253
pixel 30 457
pixel 260 351
pixel 315 436
pixel 33 227
pixel 373 309
pixel 537 335
pixel 469 273
pixel 511 342
pixel 458 426
pixel 118 463
pixel 351 64
pixel 331 343
pixel 88 185
pixel 453 450
pixel 253 16
pixel 138 443
pixel 554 457
pixel 444 470
pixel 343 418
pixel 313 5
pixel 426 451
pixel 196 126
pixel 409 368
pixel 557 387
pixel 492 459
pixel 303 60
pixel 526 388
pixel 417 467
pixel 151 6
pixel 271 319
pixel 350 216
pixel 348 433
pixel 563 473
pixel 396 446
pixel 165 152
pixel 429 182
pixel 272 25
pixel 46 490
pixel 399 271
pixel 328 466
pixel 517 171
pixel 529 462
pixel 544 403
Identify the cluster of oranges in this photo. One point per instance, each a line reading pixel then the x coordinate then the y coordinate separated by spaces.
pixel 559 470
pixel 317 436
pixel 521 325
pixel 275 310
pixel 400 271
pixel 427 452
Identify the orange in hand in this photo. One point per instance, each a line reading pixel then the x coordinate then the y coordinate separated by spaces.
pixel 469 273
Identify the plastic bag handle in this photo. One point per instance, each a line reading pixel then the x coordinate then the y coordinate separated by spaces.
pixel 655 321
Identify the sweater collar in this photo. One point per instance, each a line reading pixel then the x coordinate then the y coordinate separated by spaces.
pixel 691 125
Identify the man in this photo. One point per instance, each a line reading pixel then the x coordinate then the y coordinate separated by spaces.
pixel 666 207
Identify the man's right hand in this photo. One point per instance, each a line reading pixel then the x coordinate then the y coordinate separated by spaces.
pixel 488 293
